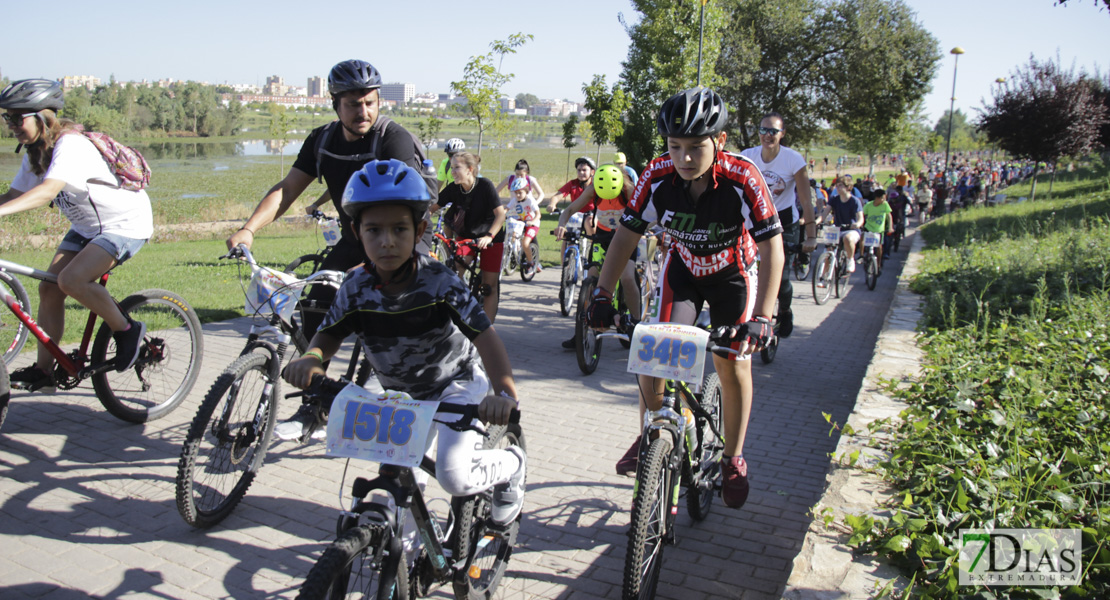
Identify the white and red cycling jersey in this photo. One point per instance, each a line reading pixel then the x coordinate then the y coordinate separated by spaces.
pixel 715 235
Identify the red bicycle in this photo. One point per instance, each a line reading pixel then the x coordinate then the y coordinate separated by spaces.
pixel 473 275
pixel 163 374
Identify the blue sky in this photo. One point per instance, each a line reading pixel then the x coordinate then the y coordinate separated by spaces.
pixel 427 43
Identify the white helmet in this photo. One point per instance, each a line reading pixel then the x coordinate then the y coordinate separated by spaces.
pixel 455 145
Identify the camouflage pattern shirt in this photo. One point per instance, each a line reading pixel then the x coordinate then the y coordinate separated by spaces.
pixel 419 341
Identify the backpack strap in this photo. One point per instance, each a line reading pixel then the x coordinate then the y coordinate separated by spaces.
pixel 321 140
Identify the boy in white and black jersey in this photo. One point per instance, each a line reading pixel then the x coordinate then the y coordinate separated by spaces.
pixel 424 333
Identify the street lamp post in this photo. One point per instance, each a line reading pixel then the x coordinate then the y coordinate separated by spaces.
pixel 994 148
pixel 951 108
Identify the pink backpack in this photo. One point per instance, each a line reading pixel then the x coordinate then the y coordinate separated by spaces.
pixel 126 163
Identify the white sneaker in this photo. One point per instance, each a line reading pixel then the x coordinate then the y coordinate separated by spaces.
pixel 851 266
pixel 295 426
pixel 508 497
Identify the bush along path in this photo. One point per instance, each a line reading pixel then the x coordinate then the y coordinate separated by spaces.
pixel 1004 427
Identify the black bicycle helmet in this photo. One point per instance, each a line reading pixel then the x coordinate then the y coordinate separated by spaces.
pixel 33 95
pixel 695 112
pixel 585 160
pixel 353 75
pixel 381 182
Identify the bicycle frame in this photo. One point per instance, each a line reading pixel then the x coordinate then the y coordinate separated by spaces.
pixel 473 277
pixel 76 365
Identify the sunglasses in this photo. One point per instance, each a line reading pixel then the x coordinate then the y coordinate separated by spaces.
pixel 11 119
pixel 769 131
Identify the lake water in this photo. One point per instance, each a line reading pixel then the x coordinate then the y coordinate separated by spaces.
pixel 183 150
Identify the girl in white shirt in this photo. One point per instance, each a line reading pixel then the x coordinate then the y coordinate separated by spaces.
pixel 108 224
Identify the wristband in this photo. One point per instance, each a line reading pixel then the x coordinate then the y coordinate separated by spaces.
pixel 505 395
pixel 244 228
pixel 316 353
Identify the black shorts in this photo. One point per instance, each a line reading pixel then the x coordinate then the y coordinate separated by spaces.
pixel 679 298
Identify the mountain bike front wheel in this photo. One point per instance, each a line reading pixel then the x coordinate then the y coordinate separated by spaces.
pixel 227 441
pixel 824 272
pixel 168 362
pixel 647 531
pixel 568 281
pixel 486 550
pixel 13 333
pixel 347 568
pixel 587 346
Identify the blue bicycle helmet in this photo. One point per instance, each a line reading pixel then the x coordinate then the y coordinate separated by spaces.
pixel 691 113
pixel 520 183
pixel 381 182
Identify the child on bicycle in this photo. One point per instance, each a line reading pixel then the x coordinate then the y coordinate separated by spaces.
pixel 523 206
pixel 608 195
pixel 108 224
pixel 718 211
pixel 424 333
pixel 878 219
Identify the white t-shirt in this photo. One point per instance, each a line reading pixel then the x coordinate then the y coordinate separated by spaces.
pixel 779 175
pixel 92 208
pixel 527 210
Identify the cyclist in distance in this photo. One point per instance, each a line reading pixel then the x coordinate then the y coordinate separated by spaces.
pixel 108 224
pixel 878 219
pixel 584 167
pixel 609 194
pixel 847 212
pixel 333 152
pixel 717 210
pixel 476 213
pixel 784 171
pixel 424 333
pixel 523 206
pixel 621 162
pixel 523 170
pixel 452 147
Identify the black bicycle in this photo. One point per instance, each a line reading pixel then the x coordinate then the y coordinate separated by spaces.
pixel 871 244
pixel 231 432
pixel 472 270
pixel 587 341
pixel 680 447
pixel 367 560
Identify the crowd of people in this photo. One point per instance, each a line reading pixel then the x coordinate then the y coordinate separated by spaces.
pixel 423 331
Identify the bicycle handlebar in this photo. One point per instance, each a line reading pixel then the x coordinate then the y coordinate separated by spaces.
pixel 323 390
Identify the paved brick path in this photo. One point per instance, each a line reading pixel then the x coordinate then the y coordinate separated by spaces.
pixel 87 502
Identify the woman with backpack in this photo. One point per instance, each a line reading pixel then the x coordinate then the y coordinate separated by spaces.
pixel 108 222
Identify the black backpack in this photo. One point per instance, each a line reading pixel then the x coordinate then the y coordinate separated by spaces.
pixel 427 172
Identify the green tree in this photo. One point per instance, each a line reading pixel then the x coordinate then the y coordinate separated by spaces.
pixel 662 61
pixel 881 79
pixel 570 130
pixel 481 82
pixel 279 132
pixel 776 55
pixel 526 100
pixel 429 129
pixel 606 111
pixel 1044 112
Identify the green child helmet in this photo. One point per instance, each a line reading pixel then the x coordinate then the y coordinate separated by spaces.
pixel 608 182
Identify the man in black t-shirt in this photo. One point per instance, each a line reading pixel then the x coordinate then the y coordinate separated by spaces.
pixel 357 137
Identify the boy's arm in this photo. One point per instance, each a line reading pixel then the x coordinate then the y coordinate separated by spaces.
pixel 299 372
pixel 585 198
pixel 496 407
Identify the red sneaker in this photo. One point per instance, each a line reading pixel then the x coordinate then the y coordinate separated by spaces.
pixel 734 486
pixel 631 459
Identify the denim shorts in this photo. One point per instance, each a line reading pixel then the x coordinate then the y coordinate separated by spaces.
pixel 121 248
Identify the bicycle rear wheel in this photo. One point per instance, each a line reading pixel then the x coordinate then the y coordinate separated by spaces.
pixel 13 333
pixel 168 363
pixel 568 281
pixel 486 550
pixel 346 569
pixel 646 532
pixel 587 346
pixel 823 276
pixel 707 472
pixel 227 441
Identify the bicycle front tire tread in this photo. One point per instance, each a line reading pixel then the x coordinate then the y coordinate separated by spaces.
pixel 650 477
